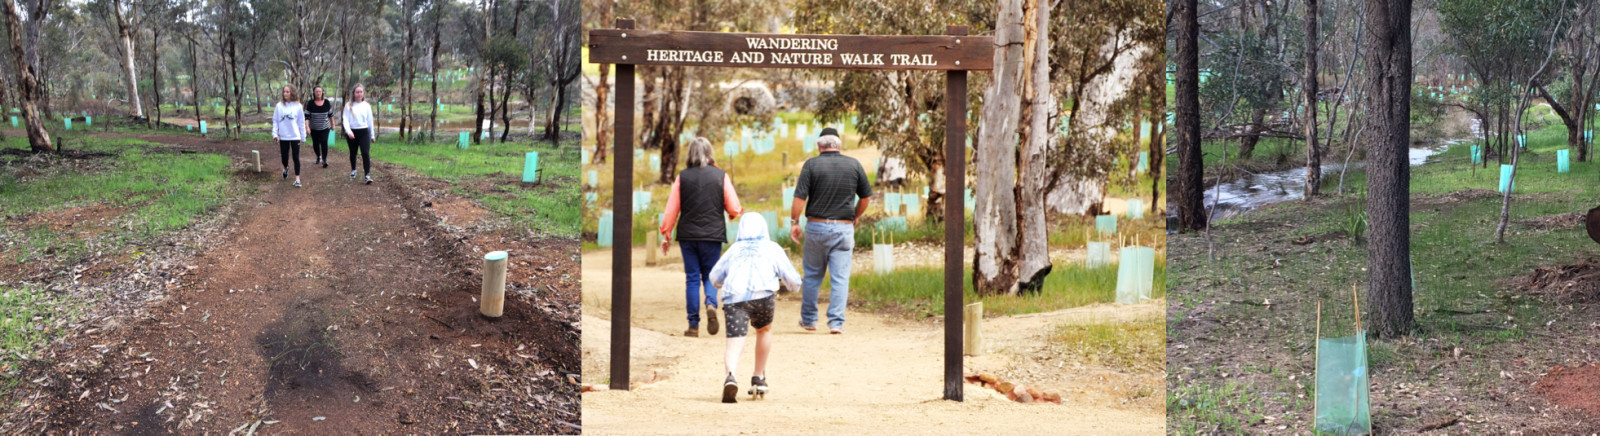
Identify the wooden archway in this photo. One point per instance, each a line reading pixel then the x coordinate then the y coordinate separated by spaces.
pixel 955 53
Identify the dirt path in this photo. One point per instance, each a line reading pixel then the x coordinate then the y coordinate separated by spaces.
pixel 334 308
pixel 884 375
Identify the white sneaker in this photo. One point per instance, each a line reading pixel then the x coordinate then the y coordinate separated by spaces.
pixel 369 180
pixel 352 174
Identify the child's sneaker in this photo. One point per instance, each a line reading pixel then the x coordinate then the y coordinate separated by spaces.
pixel 758 386
pixel 730 390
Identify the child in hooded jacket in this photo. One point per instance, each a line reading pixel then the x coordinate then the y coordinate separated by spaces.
pixel 748 275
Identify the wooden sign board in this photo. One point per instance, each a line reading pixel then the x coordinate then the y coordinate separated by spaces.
pixel 758 50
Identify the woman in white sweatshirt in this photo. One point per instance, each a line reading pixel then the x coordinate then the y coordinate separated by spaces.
pixel 289 128
pixel 359 128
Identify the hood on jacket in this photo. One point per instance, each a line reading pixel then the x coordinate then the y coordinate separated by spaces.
pixel 752 227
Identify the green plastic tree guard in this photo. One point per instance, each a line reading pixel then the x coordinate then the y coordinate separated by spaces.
pixel 530 167
pixel 1562 164
pixel 603 236
pixel 1505 178
pixel 1342 403
pixel 1105 224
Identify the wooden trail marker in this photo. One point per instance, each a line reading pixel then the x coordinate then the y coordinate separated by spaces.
pixel 491 302
pixel 974 318
pixel 955 53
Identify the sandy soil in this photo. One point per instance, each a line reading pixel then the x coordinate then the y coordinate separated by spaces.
pixel 883 375
pixel 337 307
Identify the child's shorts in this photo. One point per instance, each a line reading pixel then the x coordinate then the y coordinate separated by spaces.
pixel 744 314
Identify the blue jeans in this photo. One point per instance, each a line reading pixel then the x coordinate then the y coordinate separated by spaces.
pixel 827 250
pixel 699 257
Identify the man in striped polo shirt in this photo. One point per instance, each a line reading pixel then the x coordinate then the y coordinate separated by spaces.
pixel 832 192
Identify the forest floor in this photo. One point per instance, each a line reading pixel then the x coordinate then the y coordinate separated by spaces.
pixel 336 307
pixel 1507 341
pixel 884 374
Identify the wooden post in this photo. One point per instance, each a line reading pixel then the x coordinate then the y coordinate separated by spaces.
pixel 622 221
pixel 974 318
pixel 652 240
pixel 257 154
pixel 955 181
pixel 492 299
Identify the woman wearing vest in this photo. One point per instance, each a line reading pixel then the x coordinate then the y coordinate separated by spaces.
pixel 288 128
pixel 700 196
pixel 358 128
pixel 319 113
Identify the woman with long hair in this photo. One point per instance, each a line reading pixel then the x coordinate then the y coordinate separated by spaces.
pixel 359 128
pixel 319 114
pixel 289 127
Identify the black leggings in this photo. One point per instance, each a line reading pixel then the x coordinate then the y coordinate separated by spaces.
pixel 285 148
pixel 319 144
pixel 363 143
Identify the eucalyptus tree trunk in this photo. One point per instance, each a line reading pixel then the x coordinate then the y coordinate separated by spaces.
pixel 1313 155
pixel 1388 108
pixel 1040 135
pixel 125 40
pixel 994 221
pixel 1191 211
pixel 38 137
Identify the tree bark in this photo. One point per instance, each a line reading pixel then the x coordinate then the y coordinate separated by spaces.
pixel 38 137
pixel 1313 155
pixel 407 69
pixel 155 76
pixel 483 71
pixel 125 39
pixel 994 220
pixel 433 115
pixel 1191 211
pixel 1389 75
pixel 1033 253
pixel 1247 143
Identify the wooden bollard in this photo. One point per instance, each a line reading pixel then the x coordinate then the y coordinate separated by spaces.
pixel 652 244
pixel 492 301
pixel 257 154
pixel 973 317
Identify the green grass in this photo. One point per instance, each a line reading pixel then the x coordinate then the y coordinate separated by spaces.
pixel 1139 345
pixel 28 320
pixel 161 191
pixel 920 291
pixel 1462 296
pixel 491 173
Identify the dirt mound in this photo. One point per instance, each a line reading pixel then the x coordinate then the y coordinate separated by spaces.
pixel 1580 281
pixel 1453 197
pixel 1573 387
pixel 1553 222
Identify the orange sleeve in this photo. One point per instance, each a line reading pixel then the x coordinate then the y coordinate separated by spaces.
pixel 730 199
pixel 670 218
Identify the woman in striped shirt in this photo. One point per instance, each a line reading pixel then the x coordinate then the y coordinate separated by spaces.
pixel 319 113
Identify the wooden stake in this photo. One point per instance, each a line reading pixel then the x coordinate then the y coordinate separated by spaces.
pixel 1317 355
pixel 257 154
pixel 1355 299
pixel 974 328
pixel 491 302
pixel 651 241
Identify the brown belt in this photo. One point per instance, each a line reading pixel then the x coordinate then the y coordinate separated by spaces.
pixel 819 220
